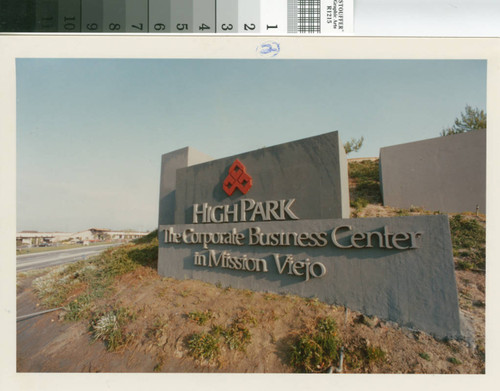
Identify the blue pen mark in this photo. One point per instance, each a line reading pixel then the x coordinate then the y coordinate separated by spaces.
pixel 268 49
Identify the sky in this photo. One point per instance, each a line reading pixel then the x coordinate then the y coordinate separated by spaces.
pixel 91 132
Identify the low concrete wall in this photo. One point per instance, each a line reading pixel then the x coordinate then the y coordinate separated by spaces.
pixel 444 173
pixel 413 285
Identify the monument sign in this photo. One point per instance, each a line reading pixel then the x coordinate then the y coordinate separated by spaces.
pixel 275 219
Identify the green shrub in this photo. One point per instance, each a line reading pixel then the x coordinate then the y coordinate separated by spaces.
pixel 425 356
pixel 316 350
pixel 374 354
pixel 366 183
pixel 402 212
pixel 54 287
pixel 149 238
pixel 201 317
pixel 204 346
pixel 208 345
pixel 237 336
pixel 366 169
pixel 110 327
pixel 467 233
pixel 469 242
pixel 80 308
pixel 454 360
pixel 465 265
pixel 363 354
pixel 359 203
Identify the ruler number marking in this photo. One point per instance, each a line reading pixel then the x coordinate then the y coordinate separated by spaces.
pixel 69 24
pixel 250 26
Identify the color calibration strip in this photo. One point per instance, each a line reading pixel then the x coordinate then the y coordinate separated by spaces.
pixel 264 17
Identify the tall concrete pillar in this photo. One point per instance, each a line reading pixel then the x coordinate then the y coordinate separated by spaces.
pixel 170 162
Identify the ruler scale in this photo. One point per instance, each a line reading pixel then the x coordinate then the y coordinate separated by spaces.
pixel 262 17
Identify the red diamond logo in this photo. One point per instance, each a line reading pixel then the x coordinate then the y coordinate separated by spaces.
pixel 237 179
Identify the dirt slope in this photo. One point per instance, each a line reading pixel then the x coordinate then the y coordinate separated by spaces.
pixel 159 333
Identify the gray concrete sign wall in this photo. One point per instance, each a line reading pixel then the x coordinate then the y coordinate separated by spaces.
pixel 400 269
pixel 170 162
pixel 275 219
pixel 313 171
pixel 444 173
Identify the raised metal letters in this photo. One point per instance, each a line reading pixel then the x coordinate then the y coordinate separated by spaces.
pixel 385 239
pixel 249 211
pixel 358 240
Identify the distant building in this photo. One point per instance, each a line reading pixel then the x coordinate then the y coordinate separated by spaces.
pixel 99 234
pixel 91 235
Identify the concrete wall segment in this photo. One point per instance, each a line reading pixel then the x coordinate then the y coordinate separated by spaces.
pixel 444 173
pixel 312 170
pixel 414 287
pixel 170 163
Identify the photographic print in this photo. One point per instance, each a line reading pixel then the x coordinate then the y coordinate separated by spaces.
pixel 274 212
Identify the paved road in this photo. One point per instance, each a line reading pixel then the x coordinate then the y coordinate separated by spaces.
pixel 57 257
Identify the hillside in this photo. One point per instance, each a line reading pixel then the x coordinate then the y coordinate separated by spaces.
pixel 120 316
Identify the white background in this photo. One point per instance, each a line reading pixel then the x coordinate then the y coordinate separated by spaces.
pixel 425 18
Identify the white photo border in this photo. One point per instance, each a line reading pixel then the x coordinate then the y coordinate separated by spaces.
pixel 148 47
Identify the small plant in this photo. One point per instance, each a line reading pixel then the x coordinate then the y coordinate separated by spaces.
pixel 359 203
pixel 160 362
pixel 157 367
pixel 237 336
pixel 53 288
pixel 374 354
pixel 201 317
pixel 110 328
pixel 316 350
pixel 246 317
pixel 157 331
pixel 207 345
pixel 465 265
pixel 370 321
pixel 353 145
pixel 425 356
pixel 204 346
pixel 80 308
pixel 312 302
pixel 402 212
pixel 362 354
pixel 454 360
